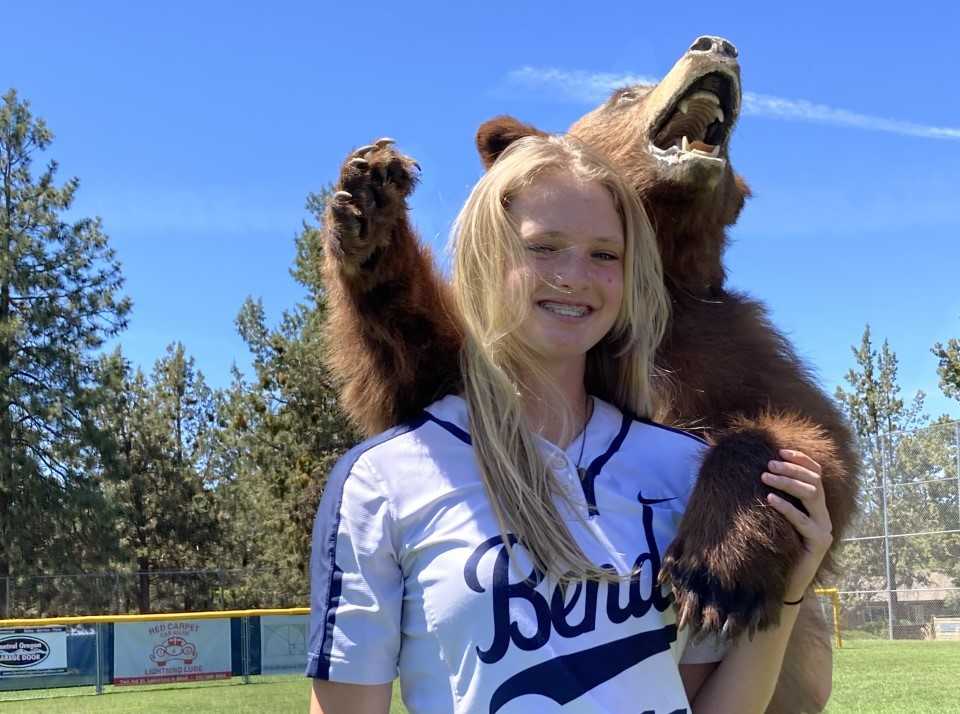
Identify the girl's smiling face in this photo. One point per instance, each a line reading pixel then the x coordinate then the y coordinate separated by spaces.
pixel 573 239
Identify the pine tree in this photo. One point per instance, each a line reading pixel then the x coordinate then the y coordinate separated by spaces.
pixel 286 429
pixel 949 366
pixel 159 477
pixel 60 286
pixel 903 461
pixel 948 369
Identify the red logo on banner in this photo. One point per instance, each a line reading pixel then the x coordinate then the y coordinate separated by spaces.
pixel 174 648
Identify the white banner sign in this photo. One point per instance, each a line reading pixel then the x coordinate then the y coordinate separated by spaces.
pixel 33 651
pixel 170 651
pixel 283 643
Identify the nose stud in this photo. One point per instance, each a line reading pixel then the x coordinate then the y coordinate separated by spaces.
pixel 559 283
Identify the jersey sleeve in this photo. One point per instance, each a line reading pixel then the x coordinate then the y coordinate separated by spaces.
pixel 356 584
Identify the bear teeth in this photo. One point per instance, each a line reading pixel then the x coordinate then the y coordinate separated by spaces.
pixel 709 96
pixel 674 155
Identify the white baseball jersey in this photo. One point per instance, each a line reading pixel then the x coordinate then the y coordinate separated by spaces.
pixel 409 574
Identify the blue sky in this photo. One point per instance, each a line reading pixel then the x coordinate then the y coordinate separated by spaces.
pixel 197 129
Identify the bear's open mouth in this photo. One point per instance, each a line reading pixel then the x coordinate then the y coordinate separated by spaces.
pixel 699 121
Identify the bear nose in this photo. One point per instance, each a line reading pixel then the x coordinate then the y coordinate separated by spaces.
pixel 718 45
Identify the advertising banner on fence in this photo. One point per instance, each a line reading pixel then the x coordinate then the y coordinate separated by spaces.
pixel 283 644
pixel 33 651
pixel 170 651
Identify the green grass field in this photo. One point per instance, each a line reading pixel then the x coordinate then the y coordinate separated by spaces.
pixel 883 677
pixel 871 677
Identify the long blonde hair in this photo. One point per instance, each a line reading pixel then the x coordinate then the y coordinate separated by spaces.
pixel 487 246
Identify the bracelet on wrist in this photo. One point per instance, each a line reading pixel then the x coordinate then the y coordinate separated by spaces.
pixel 793 602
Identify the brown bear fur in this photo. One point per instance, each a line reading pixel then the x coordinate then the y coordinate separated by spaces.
pixel 732 376
pixel 389 314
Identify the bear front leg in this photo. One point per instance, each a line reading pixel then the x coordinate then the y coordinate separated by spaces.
pixel 363 218
pixel 731 560
pixel 392 340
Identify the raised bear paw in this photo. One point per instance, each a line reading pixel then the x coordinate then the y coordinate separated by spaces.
pixel 730 561
pixel 368 203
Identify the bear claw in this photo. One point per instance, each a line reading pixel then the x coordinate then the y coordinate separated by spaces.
pixel 368 203
pixel 706 606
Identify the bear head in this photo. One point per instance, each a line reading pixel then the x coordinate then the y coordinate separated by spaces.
pixel 671 141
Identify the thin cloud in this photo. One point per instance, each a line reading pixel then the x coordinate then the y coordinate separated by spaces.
pixel 576 85
pixel 589 87
pixel 800 109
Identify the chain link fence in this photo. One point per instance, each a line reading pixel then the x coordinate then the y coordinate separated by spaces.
pixel 900 563
pixel 899 567
pixel 120 593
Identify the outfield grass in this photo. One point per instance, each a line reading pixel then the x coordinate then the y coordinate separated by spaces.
pixel 263 694
pixel 870 677
pixel 883 677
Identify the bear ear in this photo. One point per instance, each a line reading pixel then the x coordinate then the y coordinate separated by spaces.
pixel 496 134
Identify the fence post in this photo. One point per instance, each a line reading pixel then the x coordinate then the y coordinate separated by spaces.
pixel 98 649
pixel 957 445
pixel 886 534
pixel 245 648
pixel 835 597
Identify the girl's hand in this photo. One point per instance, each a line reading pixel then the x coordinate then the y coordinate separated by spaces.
pixel 799 475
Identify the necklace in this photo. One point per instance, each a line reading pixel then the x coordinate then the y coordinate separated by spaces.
pixel 587 413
